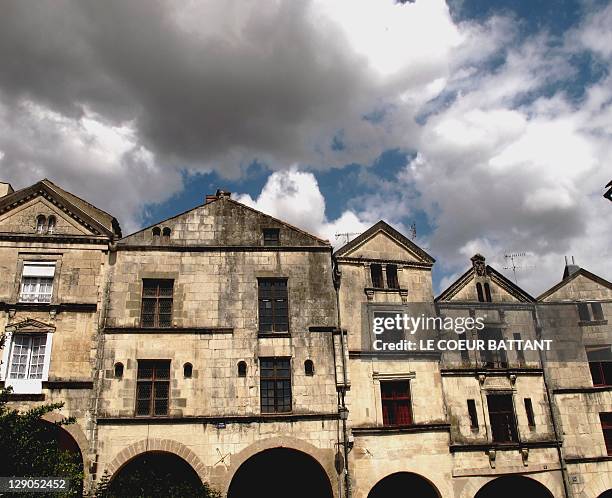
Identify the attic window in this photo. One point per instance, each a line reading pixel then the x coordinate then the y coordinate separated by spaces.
pixel 51 222
pixel 156 232
pixel 479 292
pixel 487 290
pixel 271 236
pixel 166 234
pixel 41 224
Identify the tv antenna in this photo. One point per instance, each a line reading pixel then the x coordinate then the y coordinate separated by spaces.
pixel 511 260
pixel 347 236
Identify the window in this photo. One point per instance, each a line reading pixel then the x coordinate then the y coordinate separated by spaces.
pixel 520 354
pixel 479 292
pixel 395 397
pixel 501 416
pixel 242 369
pixel 600 364
pixel 37 282
pixel 273 305
pixel 392 281
pixel 377 276
pixel 187 370
pixel 166 234
pixel 152 387
pixel 41 224
pixel 27 356
pixel 471 404
pixel 492 358
pixel 118 370
pixel 487 289
pixel 606 427
pixel 51 224
pixel 271 236
pixel 275 385
pixel 590 312
pixel 309 367
pixel 529 412
pixel 156 232
pixel 157 302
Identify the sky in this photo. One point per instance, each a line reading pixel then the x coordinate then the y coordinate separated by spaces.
pixel 487 124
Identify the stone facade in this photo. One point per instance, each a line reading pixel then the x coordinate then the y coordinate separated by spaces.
pixel 429 420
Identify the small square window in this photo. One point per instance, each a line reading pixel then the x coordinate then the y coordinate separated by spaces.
pixel 271 236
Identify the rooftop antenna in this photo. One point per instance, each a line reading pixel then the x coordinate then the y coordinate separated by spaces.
pixel 511 260
pixel 346 235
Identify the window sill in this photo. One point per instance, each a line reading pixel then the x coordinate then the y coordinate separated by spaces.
pixel 57 307
pixel 591 323
pixel 399 429
pixel 398 290
pixel 265 335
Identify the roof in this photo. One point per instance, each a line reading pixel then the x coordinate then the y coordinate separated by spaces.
pixel 97 218
pixel 569 278
pixel 495 276
pixel 382 226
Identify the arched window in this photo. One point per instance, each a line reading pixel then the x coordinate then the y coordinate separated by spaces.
pixel 187 370
pixel 41 224
pixel 156 232
pixel 51 224
pixel 487 289
pixel 166 234
pixel 309 367
pixel 118 370
pixel 242 369
pixel 479 292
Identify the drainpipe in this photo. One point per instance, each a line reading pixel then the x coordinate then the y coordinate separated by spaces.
pixel 342 409
pixel 566 487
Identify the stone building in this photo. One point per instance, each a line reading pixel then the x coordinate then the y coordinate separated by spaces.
pixel 241 351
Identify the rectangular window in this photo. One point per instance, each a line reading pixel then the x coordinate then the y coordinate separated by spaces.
pixel 529 412
pixel 37 282
pixel 395 397
pixel 492 358
pixel 600 364
pixel 606 427
pixel 271 236
pixel 471 404
pixel 275 385
pixel 273 305
pixel 153 387
pixel 597 311
pixel 520 354
pixel 27 356
pixel 157 302
pixel 392 281
pixel 377 276
pixel 501 417
pixel 589 312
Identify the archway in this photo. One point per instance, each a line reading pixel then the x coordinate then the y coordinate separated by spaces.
pixel 513 486
pixel 606 494
pixel 68 458
pixel 278 473
pixel 403 484
pixel 156 474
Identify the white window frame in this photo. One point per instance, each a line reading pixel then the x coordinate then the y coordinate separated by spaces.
pixel 25 386
pixel 37 274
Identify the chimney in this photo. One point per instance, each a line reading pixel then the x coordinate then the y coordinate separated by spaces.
pixel 219 194
pixel 570 269
pixel 5 189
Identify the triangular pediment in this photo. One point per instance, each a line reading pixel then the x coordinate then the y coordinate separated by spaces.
pixel 221 222
pixel 464 289
pixel 581 285
pixel 74 216
pixel 29 326
pixel 383 242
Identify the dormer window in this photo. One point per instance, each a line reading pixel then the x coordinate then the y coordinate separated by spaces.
pixel 271 236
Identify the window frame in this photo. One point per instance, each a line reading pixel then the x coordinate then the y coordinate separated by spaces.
pixel 599 366
pixel 511 428
pixel 379 274
pixel 26 385
pixel 38 278
pixel 153 380
pixel 269 241
pixel 473 414
pixel 529 412
pixel 392 277
pixel 279 363
pixel 277 326
pixel 606 429
pixel 393 401
pixel 156 299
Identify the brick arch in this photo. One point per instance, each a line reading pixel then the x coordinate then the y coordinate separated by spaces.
pixel 596 486
pixel 77 434
pixel 318 454
pixel 162 445
pixel 546 479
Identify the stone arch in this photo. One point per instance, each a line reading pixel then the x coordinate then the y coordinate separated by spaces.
pixel 162 445
pixel 597 486
pixel 77 434
pixel 392 484
pixel 324 457
pixel 550 480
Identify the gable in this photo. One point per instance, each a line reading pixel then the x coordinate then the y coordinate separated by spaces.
pixel 222 222
pixel 29 326
pixel 23 218
pixel 580 286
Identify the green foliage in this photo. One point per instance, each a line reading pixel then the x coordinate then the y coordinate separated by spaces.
pixel 32 445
